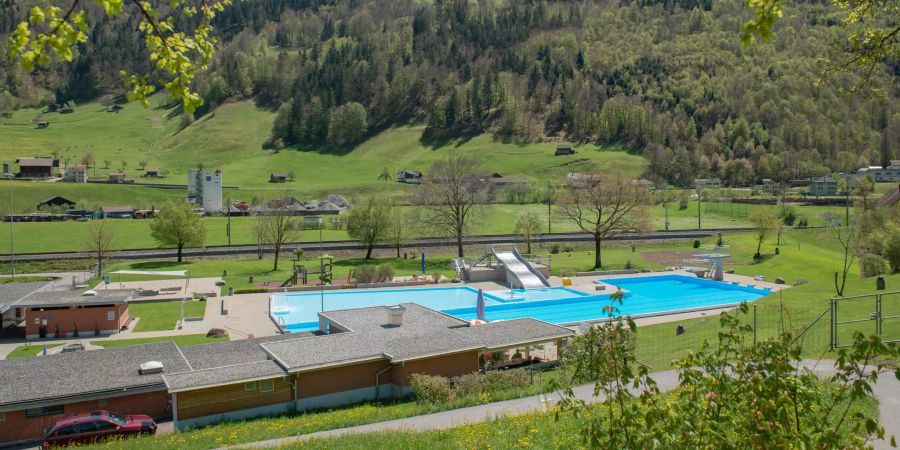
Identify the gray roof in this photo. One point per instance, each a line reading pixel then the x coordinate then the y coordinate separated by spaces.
pixel 63 298
pixel 11 293
pixel 422 334
pixel 227 362
pixel 250 371
pixel 56 377
pixel 375 318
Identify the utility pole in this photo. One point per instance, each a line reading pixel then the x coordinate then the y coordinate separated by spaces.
pixel 228 225
pixel 666 205
pixel 847 202
pixel 549 203
pixel 699 200
pixel 12 245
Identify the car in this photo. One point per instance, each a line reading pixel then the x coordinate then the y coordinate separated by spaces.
pixel 94 426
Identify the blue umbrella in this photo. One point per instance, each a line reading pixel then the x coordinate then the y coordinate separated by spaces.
pixel 479 307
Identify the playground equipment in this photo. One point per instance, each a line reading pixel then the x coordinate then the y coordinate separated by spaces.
pixel 507 266
pixel 300 274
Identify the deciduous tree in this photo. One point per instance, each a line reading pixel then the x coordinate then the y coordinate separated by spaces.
pixel 99 241
pixel 764 223
pixel 452 191
pixel 369 222
pixel 178 225
pixel 606 206
pixel 275 230
pixel 528 227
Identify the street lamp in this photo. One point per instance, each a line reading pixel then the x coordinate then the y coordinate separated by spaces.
pixel 12 246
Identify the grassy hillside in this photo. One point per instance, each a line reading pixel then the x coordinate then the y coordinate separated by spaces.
pixel 231 138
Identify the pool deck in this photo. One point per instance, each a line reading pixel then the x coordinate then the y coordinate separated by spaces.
pixel 248 314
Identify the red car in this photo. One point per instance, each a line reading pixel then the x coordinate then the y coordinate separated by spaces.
pixel 93 426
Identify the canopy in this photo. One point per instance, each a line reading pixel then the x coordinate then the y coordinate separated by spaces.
pixel 164 273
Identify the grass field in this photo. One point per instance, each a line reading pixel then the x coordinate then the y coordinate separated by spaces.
pixel 231 138
pixel 183 340
pixel 491 219
pixel 29 350
pixel 159 316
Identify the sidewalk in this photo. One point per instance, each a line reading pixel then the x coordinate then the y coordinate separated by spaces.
pixel 887 391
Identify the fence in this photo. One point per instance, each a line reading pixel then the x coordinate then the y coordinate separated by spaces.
pixel 815 331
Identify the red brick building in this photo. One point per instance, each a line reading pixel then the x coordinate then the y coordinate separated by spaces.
pixel 51 314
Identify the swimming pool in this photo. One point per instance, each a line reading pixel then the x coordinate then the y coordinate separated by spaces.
pixel 645 295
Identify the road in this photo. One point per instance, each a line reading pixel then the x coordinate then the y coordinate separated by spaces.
pixel 356 245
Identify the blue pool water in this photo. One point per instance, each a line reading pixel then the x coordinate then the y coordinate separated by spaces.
pixel 645 295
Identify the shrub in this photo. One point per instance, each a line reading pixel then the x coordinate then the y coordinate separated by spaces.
pixel 682 204
pixel 366 273
pixel 554 249
pixel 802 222
pixel 789 216
pixel 891 250
pixel 628 265
pixel 495 381
pixel 384 273
pixel 568 249
pixel 468 384
pixel 696 243
pixel 431 389
pixel 872 265
pixel 567 273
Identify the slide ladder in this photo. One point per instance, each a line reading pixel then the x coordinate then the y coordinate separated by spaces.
pixel 519 271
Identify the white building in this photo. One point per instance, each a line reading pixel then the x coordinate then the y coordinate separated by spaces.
pixel 883 174
pixel 75 174
pixel 205 189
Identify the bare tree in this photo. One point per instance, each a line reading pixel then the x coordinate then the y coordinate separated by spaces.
pixel 275 230
pixel 398 232
pixel 99 241
pixel 606 206
pixel 845 237
pixel 450 194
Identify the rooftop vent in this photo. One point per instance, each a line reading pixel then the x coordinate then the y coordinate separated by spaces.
pixel 151 367
pixel 90 293
pixel 395 314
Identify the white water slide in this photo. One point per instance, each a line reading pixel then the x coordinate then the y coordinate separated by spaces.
pixel 519 271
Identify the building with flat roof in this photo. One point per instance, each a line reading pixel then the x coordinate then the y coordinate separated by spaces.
pixel 71 314
pixel 823 186
pixel 881 174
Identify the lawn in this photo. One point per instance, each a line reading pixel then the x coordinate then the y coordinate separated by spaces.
pixel 160 316
pixel 183 340
pixel 491 219
pixel 29 350
pixel 231 433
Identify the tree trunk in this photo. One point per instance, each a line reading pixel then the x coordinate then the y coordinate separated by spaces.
pixel 398 251
pixel 369 251
pixel 179 252
pixel 528 244
pixel 277 252
pixel 459 243
pixel 598 261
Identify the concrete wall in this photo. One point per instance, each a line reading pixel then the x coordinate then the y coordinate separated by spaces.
pixel 16 426
pixel 109 319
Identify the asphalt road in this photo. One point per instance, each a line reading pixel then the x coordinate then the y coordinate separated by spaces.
pixel 355 245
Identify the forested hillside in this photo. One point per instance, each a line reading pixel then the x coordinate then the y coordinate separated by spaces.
pixel 668 80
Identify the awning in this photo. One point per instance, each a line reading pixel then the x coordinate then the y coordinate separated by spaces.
pixel 163 273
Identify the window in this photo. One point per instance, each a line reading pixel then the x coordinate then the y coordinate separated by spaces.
pixel 110 315
pixel 266 385
pixel 65 431
pixel 102 403
pixel 251 386
pixel 106 426
pixel 45 411
pixel 86 427
pixel 2 417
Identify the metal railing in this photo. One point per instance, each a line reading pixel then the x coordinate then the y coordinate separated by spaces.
pixel 862 312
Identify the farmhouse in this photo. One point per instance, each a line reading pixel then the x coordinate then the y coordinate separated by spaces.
pixel 36 167
pixel 823 186
pixel 710 183
pixel 116 212
pixel 76 174
pixel 880 174
pixel 56 202
pixel 118 178
pixel 41 124
pixel 278 177
pixel 564 150
pixel 409 176
pixel 151 172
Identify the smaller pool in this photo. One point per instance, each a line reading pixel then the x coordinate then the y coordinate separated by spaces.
pixel 667 293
